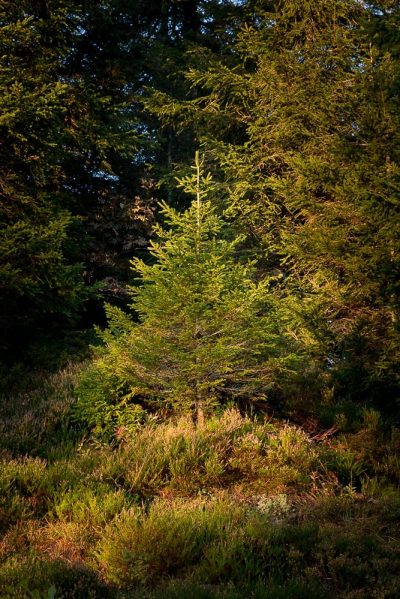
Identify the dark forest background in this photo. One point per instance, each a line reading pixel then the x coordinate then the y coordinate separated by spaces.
pixel 294 106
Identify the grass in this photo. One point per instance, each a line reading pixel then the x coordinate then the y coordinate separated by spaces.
pixel 234 508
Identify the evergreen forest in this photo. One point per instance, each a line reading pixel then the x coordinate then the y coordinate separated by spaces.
pixel 199 299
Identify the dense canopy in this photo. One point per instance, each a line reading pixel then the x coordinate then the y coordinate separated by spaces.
pixel 294 106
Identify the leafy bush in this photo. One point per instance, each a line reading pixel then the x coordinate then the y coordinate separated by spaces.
pixel 37 419
pixel 103 406
pixel 140 548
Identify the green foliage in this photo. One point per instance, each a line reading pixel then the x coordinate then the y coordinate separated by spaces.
pixel 38 412
pixel 279 282
pixel 98 505
pixel 300 122
pixel 65 138
pixel 140 548
pixel 100 406
pixel 42 579
pixel 220 542
pixel 40 270
pixel 206 328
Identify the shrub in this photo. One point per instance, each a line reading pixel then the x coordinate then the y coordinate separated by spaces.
pixel 140 548
pixel 103 407
pixel 38 421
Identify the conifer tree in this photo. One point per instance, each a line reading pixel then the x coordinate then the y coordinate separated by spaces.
pixel 40 264
pixel 77 195
pixel 302 120
pixel 64 142
pixel 206 329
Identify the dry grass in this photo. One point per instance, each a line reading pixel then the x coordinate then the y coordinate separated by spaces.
pixel 232 508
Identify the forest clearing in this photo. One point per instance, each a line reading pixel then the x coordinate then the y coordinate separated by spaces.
pixel 199 299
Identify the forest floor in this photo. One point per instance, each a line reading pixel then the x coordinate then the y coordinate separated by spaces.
pixel 234 508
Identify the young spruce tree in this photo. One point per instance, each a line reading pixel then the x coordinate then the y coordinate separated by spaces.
pixel 206 329
pixel 302 118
